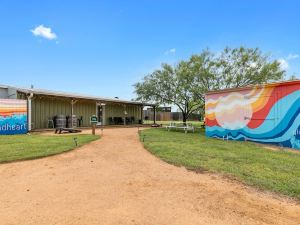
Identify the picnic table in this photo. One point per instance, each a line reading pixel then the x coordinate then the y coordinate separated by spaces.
pixel 181 126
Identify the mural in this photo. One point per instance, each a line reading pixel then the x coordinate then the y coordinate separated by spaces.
pixel 13 116
pixel 268 114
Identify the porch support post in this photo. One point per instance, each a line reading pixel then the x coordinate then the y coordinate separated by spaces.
pixel 103 113
pixel 154 114
pixel 125 113
pixel 73 102
pixel 142 114
pixel 96 111
pixel 72 108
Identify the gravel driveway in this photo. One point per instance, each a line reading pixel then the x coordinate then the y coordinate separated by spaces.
pixel 116 181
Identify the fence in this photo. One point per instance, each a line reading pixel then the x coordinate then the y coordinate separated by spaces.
pixel 169 116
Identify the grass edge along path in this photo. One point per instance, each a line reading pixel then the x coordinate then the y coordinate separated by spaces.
pixel 28 147
pixel 277 171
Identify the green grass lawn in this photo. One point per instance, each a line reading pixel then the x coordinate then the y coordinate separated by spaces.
pixel 278 171
pixel 21 147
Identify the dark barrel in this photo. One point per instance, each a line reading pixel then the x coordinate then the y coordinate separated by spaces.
pixel 72 121
pixel 60 121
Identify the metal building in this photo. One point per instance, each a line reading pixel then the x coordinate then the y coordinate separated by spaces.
pixel 267 113
pixel 44 105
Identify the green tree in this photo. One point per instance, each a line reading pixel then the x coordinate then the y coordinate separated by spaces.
pixel 186 83
pixel 204 68
pixel 171 85
pixel 233 68
pixel 240 67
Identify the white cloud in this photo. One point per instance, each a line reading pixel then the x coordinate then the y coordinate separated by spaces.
pixel 292 56
pixel 45 32
pixel 283 64
pixel 170 51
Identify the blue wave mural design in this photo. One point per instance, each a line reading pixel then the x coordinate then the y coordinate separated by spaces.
pixel 280 127
pixel 15 124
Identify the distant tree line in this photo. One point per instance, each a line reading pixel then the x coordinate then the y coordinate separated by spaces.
pixel 186 83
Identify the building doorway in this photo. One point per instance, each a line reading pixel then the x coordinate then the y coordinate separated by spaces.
pixel 100 113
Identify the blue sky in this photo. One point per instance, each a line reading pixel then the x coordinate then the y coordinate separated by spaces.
pixel 103 47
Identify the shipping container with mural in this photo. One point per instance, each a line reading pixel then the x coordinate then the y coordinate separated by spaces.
pixel 13 116
pixel 265 113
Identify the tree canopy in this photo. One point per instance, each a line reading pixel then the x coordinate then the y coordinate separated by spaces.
pixel 185 83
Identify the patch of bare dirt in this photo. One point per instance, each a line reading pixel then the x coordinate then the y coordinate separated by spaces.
pixel 116 181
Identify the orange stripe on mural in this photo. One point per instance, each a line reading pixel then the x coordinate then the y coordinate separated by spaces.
pixel 210 116
pixel 9 107
pixel 11 110
pixel 264 111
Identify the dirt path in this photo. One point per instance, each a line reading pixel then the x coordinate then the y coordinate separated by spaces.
pixel 115 181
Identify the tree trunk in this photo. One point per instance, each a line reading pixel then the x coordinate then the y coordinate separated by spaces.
pixel 184 118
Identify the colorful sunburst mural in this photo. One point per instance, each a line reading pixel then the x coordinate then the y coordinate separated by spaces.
pixel 266 114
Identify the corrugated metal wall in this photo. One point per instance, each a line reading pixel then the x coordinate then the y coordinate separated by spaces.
pixel 45 107
pixel 86 109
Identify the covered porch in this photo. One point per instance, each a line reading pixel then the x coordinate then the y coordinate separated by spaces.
pixel 50 111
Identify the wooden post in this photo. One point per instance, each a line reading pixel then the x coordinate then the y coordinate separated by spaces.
pixel 93 121
pixel 93 129
pixel 154 114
